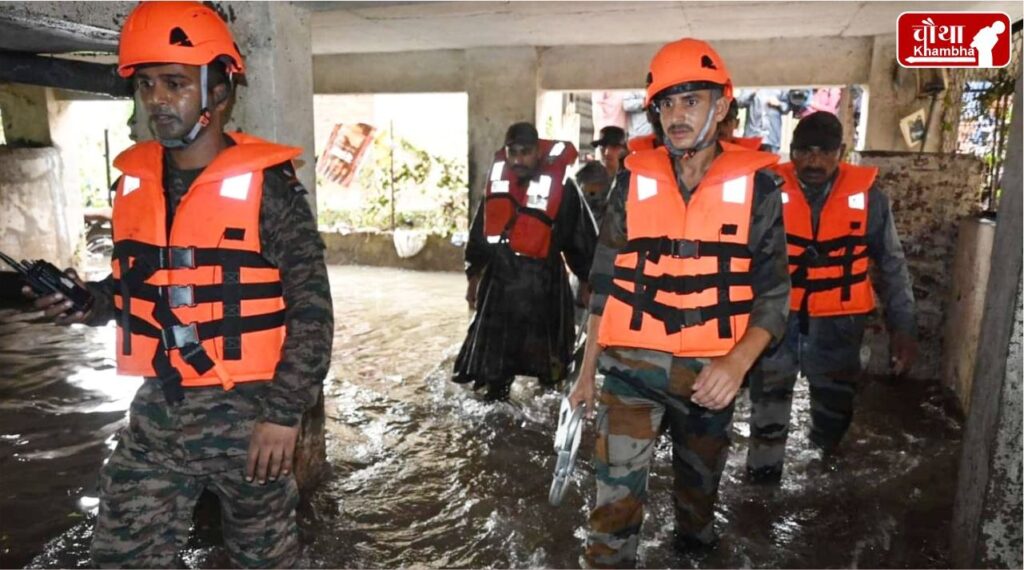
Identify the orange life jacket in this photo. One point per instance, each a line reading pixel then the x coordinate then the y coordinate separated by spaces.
pixel 645 142
pixel 521 216
pixel 198 305
pixel 829 270
pixel 682 283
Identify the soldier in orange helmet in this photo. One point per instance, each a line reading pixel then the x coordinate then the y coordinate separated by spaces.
pixel 221 299
pixel 690 285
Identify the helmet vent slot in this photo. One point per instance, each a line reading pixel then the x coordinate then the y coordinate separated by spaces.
pixel 180 38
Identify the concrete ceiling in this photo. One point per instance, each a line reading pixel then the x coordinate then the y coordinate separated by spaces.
pixel 39 34
pixel 367 27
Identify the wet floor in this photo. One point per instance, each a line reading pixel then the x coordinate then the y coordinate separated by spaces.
pixel 423 474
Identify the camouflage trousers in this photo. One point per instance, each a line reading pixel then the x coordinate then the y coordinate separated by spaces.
pixel 829 356
pixel 638 403
pixel 165 458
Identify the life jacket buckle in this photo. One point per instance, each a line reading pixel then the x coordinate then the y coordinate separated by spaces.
pixel 177 258
pixel 692 318
pixel 181 296
pixel 686 248
pixel 180 336
pixel 811 253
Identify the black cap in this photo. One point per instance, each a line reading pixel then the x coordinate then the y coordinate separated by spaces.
pixel 821 129
pixel 610 136
pixel 591 172
pixel 522 133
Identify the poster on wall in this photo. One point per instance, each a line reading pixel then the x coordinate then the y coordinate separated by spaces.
pixel 345 150
pixel 913 127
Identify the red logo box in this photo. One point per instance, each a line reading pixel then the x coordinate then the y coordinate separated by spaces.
pixel 953 39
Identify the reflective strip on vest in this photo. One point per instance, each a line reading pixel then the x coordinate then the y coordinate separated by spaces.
pixel 131 184
pixel 538 192
pixel 497 169
pixel 236 187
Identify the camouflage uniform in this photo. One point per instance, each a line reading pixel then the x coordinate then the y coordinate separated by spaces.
pixel 169 453
pixel 646 392
pixel 827 352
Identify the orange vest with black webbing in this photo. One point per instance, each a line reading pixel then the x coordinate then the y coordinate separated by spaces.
pixel 829 269
pixel 682 283
pixel 520 216
pixel 197 303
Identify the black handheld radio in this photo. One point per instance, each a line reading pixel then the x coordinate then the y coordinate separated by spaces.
pixel 45 279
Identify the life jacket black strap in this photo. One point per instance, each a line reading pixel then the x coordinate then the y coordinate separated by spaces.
pixel 654 248
pixel 811 286
pixel 187 339
pixel 724 273
pixel 824 247
pixel 535 213
pixel 189 257
pixel 231 280
pixel 799 279
pixel 676 319
pixel 192 295
pixel 126 304
pixel 687 284
pixel 818 254
pixel 184 334
pixel 651 249
pixel 811 257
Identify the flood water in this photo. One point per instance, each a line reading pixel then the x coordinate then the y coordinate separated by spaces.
pixel 424 474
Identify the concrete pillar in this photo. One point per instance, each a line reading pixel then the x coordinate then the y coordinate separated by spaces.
pixel 893 94
pixel 502 88
pixel 987 513
pixel 66 134
pixel 277 102
pixel 966 305
pixel 24 109
pixel 35 224
pixel 38 188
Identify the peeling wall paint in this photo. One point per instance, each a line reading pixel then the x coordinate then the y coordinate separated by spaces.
pixel 1001 532
pixel 930 195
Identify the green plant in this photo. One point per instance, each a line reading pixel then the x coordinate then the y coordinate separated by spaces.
pixel 429 191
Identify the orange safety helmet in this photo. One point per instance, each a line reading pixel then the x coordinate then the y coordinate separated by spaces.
pixel 188 33
pixel 686 61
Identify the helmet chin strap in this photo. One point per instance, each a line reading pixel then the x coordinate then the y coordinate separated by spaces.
pixel 201 122
pixel 702 137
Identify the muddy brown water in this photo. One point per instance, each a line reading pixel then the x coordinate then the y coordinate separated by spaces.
pixel 424 474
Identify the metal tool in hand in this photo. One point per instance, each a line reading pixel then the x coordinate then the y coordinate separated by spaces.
pixel 45 279
pixel 567 443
